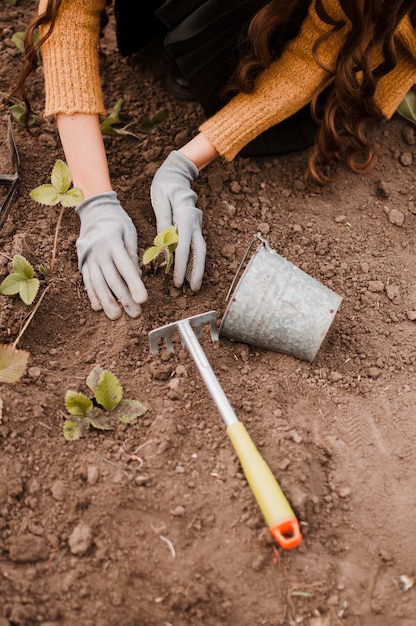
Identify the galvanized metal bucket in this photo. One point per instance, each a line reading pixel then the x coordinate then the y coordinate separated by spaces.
pixel 277 306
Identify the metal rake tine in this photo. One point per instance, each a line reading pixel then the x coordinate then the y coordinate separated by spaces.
pixel 196 321
pixel 164 332
pixel 210 317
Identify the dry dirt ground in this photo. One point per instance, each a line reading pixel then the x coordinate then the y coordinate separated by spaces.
pixel 153 524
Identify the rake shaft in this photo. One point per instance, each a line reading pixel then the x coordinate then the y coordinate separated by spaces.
pixel 207 374
pixel 277 511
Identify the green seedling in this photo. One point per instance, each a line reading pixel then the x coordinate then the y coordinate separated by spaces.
pixel 59 191
pixel 22 280
pixel 148 123
pixel 18 39
pixel 164 246
pixel 105 409
pixel 19 112
pixel 112 124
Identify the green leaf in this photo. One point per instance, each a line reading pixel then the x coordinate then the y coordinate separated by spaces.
pixel 171 238
pixel 19 112
pixel 113 118
pixel 147 123
pixel 29 289
pixel 22 267
pixel 150 254
pixel 159 117
pixel 22 281
pixel 61 176
pixel 129 410
pixel 46 194
pixel 17 39
pixel 72 430
pixel 109 392
pixel 407 107
pixel 72 197
pixel 93 378
pixel 11 284
pixel 165 242
pixel 167 237
pixel 13 364
pixel 77 403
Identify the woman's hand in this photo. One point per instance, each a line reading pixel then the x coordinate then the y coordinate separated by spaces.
pixel 174 202
pixel 108 258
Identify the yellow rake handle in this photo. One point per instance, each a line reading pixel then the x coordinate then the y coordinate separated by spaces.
pixel 276 510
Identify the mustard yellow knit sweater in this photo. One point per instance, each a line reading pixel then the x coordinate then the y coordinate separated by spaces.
pixel 72 82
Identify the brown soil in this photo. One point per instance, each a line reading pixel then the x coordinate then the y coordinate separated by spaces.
pixel 153 523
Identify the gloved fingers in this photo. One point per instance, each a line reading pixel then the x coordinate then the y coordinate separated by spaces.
pixel 93 298
pixel 130 274
pixel 130 243
pixel 161 207
pixel 100 296
pixel 196 265
pixel 117 286
pixel 182 253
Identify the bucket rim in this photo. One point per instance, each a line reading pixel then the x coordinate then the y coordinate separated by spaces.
pixel 263 242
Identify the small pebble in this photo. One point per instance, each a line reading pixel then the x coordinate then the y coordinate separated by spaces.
pixel 80 539
pixel 375 286
pixel 396 217
pixel 406 159
pixel 93 475
pixel 178 511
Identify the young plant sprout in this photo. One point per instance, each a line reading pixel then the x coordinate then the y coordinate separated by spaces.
pixel 112 124
pixel 103 410
pixel 22 280
pixel 164 245
pixel 58 192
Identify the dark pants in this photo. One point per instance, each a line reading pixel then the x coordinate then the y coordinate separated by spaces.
pixel 203 37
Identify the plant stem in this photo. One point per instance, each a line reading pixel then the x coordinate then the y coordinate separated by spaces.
pixel 55 241
pixel 29 319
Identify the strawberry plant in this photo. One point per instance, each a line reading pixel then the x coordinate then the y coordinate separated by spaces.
pixel 103 410
pixel 162 251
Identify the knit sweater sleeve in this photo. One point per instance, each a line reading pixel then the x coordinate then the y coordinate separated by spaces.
pixel 70 59
pixel 282 89
pixel 290 82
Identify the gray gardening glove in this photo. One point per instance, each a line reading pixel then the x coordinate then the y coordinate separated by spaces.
pixel 108 257
pixel 173 202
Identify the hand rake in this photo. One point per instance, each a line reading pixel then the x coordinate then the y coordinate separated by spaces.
pixel 276 510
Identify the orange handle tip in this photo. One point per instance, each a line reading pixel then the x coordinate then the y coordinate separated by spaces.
pixel 287 533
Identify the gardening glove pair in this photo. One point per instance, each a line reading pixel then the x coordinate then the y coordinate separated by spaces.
pixel 108 257
pixel 173 202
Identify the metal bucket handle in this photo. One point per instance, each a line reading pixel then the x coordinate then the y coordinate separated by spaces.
pixel 257 237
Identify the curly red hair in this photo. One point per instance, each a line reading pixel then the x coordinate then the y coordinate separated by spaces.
pixel 351 84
